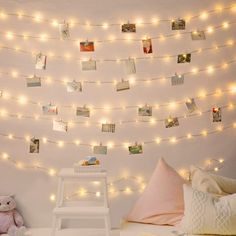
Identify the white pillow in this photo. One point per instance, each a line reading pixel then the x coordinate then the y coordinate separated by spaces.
pixel 207 214
pixel 207 182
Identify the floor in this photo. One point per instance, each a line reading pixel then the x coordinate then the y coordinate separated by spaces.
pixel 69 232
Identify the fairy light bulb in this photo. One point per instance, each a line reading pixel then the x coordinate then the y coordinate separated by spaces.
pixel 98 194
pixel 189 136
pixel 9 35
pixel 210 29
pixel 45 140
pixel 204 133
pixel 128 190
pixel 82 192
pixel 216 169
pixel 173 140
pixel 158 140
pixel 5 156
pixel 22 100
pixel 210 69
pixel 61 144
pixel 19 165
pixel 55 23
pixel 105 25
pixel 52 172
pixel 52 197
pixel 221 160
pixel 10 136
pixel 225 25
pixel 43 37
pixel 204 15
pixel 38 18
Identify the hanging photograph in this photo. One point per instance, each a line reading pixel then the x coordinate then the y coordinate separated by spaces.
pixel 59 125
pixel 217 114
pixel 184 58
pixel 191 105
pixel 40 62
pixel 128 28
pixel 178 24
pixel 87 46
pixel 34 145
pixel 88 65
pixel 145 111
pixel 198 35
pixel 64 30
pixel 110 128
pixel 130 66
pixel 123 85
pixel 171 122
pixel 74 86
pixel 147 46
pixel 177 80
pixel 50 109
pixel 136 149
pixel 34 81
pixel 102 150
pixel 83 111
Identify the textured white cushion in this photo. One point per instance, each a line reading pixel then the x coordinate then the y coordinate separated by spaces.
pixel 208 214
pixel 207 182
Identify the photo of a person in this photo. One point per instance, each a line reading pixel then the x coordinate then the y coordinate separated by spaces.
pixel 147 46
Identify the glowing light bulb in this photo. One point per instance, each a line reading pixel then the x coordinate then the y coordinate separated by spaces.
pixel 158 140
pixel 225 25
pixel 55 23
pixel 105 26
pixel 204 133
pixel 189 136
pixel 9 35
pixel 204 15
pixel 210 29
pixel 38 17
pixel 128 190
pixel 52 197
pixel 210 69
pixel 98 194
pixel 5 156
pixel 10 136
pixel 22 100
pixel 52 172
pixel 43 37
pixel 216 169
pixel 60 143
pixel 221 160
pixel 173 140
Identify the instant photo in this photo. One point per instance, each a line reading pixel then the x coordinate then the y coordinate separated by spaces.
pixel 50 110
pixel 136 149
pixel 102 150
pixel 40 62
pixel 123 85
pixel 88 65
pixel 34 145
pixel 128 28
pixel 184 58
pixel 110 128
pixel 171 122
pixel 83 111
pixel 177 80
pixel 217 114
pixel 145 111
pixel 34 81
pixel 178 24
pixel 64 30
pixel 130 66
pixel 191 105
pixel 147 46
pixel 198 35
pixel 87 46
pixel 59 125
pixel 74 86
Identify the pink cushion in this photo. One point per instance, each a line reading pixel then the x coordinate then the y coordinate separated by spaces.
pixel 162 201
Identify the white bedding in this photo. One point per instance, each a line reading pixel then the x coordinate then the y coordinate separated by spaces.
pixel 134 229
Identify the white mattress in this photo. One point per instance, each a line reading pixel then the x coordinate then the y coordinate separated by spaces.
pixel 134 229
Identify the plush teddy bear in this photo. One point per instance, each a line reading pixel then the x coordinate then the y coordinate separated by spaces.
pixel 11 222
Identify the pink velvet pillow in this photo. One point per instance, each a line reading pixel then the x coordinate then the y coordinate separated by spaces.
pixel 162 201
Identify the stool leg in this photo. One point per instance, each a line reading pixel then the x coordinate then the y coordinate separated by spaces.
pixel 107 225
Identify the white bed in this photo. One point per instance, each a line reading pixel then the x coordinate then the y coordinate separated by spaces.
pixel 134 229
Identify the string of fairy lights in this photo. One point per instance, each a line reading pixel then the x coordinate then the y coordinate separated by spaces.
pixel 212 164
pixel 9 35
pixel 39 18
pixel 4 113
pixel 69 57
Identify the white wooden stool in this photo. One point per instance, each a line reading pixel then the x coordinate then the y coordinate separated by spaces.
pixel 92 210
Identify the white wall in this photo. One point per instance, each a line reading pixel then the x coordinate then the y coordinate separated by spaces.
pixel 32 188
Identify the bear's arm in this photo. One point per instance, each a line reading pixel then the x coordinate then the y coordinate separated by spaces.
pixel 18 219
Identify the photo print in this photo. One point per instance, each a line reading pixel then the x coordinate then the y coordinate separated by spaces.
pixel 130 66
pixel 100 150
pixel 87 46
pixel 171 122
pixel 59 125
pixel 177 80
pixel 50 109
pixel 178 24
pixel 33 81
pixel 147 46
pixel 88 65
pixel 198 35
pixel 145 111
pixel 41 61
pixel 123 85
pixel 217 114
pixel 64 29
pixel 109 128
pixel 135 149
pixel 83 111
pixel 34 145
pixel 184 58
pixel 74 86
pixel 191 105
pixel 128 28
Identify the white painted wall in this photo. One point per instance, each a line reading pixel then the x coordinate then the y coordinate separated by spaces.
pixel 31 188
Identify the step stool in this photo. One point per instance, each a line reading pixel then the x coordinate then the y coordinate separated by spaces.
pixel 90 211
